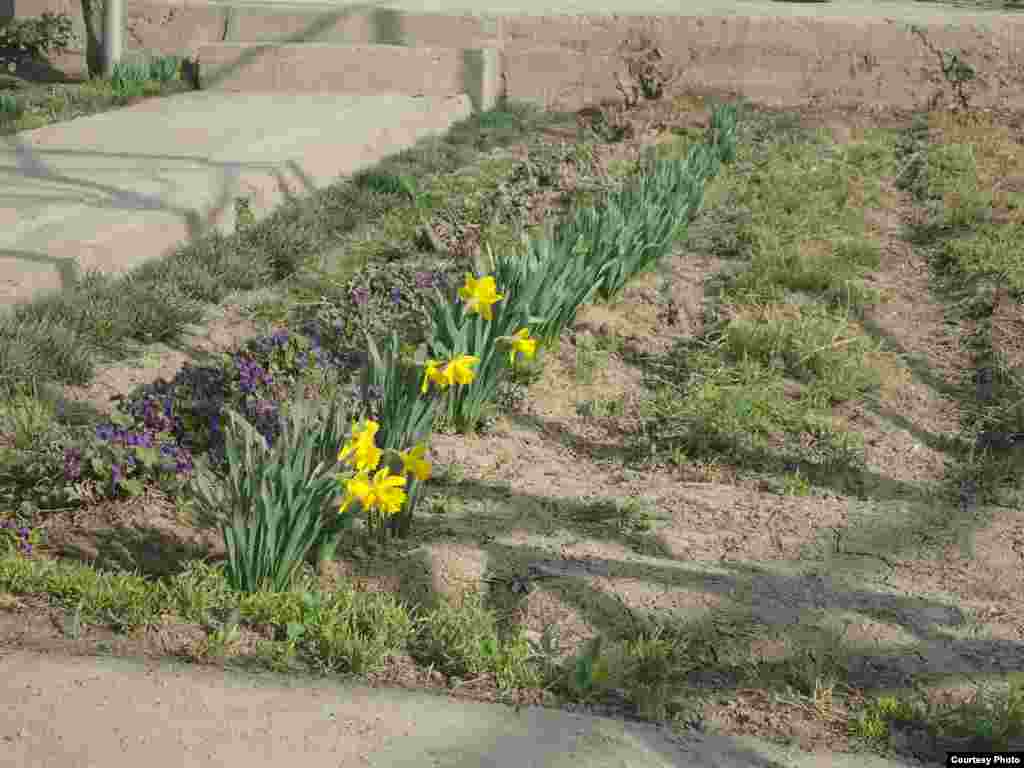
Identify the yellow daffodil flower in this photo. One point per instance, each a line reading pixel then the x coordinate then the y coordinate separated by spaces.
pixel 361 451
pixel 479 295
pixel 356 489
pixel 384 492
pixel 414 464
pixel 521 342
pixel 433 373
pixel 458 371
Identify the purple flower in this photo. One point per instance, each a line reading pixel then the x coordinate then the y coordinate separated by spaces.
pixel 169 450
pixel 424 280
pixel 72 463
pixel 105 432
pixel 280 337
pixel 183 465
pixel 396 295
pixel 116 475
pixel 360 296
pixel 154 417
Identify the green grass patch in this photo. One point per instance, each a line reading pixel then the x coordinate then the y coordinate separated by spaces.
pixel 27 106
pixel 740 410
pixel 990 250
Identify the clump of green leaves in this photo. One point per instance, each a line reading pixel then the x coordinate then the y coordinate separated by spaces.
pixel 957 72
pixel 38 37
pixel 271 507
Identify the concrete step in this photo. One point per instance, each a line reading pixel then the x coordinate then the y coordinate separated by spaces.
pixel 110 191
pixel 355 69
pixel 358 25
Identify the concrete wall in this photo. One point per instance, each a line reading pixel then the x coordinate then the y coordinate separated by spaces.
pixel 569 61
pixel 572 61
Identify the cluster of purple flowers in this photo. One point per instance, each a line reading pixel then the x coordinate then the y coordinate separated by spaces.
pixel 177 459
pixel 154 406
pixel 158 415
pixel 24 545
pixel 251 374
pixel 206 390
pixel 72 463
pixel 265 345
pixel 317 355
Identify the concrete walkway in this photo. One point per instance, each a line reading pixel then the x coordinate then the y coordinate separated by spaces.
pixel 84 712
pixel 113 190
pixel 903 10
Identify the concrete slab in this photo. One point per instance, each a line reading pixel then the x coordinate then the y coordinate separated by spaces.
pixel 341 68
pixel 79 712
pixel 111 191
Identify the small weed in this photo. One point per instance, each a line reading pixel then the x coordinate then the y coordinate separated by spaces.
pixel 11 107
pixel 165 68
pixel 610 124
pixel 795 484
pixel 464 640
pixel 647 75
pixel 453 474
pixel 244 217
pixel 636 516
pixel 610 342
pixel 590 670
pixel 589 360
pixel 356 632
pixel 649 665
pixel 281 657
pixel 26 419
pixel 601 408
pixel 198 591
pixel 957 72
pixel 441 505
pixel 220 644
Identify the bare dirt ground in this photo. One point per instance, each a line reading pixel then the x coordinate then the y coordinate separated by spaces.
pixel 764 574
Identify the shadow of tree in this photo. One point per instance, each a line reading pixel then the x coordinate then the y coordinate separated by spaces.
pixel 148 550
